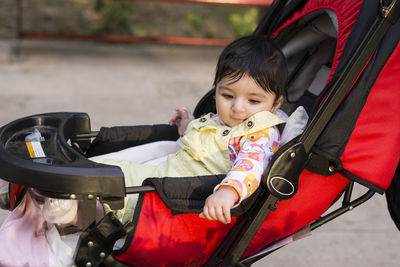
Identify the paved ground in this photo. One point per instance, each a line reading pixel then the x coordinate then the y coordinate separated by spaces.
pixel 138 84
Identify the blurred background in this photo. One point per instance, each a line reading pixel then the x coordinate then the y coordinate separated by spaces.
pixel 173 18
pixel 39 40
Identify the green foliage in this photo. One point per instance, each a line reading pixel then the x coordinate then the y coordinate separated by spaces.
pixel 245 24
pixel 198 24
pixel 241 23
pixel 113 17
pixel 195 22
pixel 211 32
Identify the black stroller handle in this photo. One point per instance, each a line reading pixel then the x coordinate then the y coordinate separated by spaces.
pixel 52 163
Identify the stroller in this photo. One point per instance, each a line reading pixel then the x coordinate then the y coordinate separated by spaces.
pixel 343 58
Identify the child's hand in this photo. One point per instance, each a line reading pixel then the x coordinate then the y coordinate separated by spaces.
pixel 218 205
pixel 181 118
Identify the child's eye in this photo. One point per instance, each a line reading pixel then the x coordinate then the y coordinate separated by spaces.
pixel 253 101
pixel 227 96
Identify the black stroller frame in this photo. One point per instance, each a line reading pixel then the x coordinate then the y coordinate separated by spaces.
pixel 82 179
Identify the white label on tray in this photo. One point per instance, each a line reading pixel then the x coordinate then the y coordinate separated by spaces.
pixel 35 149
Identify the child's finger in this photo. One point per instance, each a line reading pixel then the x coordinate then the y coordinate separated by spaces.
pixel 171 121
pixel 220 215
pixel 227 214
pixel 175 119
pixel 211 214
pixel 184 113
pixel 181 110
pixel 206 213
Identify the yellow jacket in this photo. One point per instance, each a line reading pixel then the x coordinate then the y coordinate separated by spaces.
pixel 204 152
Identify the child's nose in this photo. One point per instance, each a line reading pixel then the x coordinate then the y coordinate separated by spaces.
pixel 238 106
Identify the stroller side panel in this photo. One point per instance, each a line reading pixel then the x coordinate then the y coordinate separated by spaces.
pixel 161 239
pixel 378 130
pixel 375 138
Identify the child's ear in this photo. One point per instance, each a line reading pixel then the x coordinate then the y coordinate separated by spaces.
pixel 278 103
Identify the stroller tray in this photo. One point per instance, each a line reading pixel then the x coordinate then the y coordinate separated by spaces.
pixel 39 151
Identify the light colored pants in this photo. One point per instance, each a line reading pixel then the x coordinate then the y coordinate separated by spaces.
pixel 149 154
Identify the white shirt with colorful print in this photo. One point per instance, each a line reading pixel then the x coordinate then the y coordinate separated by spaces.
pixel 250 155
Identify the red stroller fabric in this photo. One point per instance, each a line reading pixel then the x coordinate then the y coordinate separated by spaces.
pixel 372 154
pixel 186 240
pixel 373 149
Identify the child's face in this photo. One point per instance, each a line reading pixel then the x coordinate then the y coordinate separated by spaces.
pixel 240 100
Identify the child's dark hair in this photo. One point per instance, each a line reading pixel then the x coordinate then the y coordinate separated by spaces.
pixel 257 57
